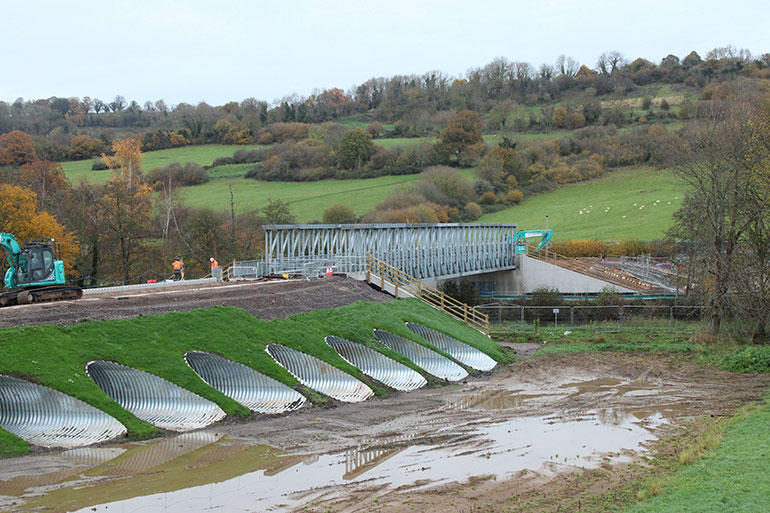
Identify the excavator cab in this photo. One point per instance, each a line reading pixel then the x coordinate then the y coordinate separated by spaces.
pixel 37 265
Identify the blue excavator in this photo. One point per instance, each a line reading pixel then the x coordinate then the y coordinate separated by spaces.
pixel 35 273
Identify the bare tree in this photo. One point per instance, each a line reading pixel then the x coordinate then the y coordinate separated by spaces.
pixel 719 158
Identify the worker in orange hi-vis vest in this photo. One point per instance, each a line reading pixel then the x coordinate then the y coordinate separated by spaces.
pixel 215 271
pixel 178 267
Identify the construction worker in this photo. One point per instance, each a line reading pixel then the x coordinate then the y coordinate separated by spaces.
pixel 215 271
pixel 178 267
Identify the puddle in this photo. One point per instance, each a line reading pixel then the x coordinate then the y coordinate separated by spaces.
pixel 199 473
pixel 614 386
pixel 492 400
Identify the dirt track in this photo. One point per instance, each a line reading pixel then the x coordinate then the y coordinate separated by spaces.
pixel 265 300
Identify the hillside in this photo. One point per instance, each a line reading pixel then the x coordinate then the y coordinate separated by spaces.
pixel 633 203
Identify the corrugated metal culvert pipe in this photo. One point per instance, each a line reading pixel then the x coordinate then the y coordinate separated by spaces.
pixel 154 399
pixel 425 358
pixel 460 351
pixel 319 375
pixel 252 389
pixel 43 416
pixel 377 365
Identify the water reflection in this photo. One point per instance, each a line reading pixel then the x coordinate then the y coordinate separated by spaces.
pixel 193 474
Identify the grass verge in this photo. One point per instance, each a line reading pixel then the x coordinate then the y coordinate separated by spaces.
pixel 55 356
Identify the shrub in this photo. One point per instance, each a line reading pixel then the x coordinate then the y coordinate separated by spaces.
pixel 546 296
pixel 98 164
pixel 187 174
pixel 749 360
pixel 339 214
pixel 473 210
pixel 488 198
pixel 515 196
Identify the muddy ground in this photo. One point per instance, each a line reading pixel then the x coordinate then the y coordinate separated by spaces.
pixel 561 388
pixel 659 398
pixel 264 299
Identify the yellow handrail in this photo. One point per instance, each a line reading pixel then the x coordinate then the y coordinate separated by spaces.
pixel 416 288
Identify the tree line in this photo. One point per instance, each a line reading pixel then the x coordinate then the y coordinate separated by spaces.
pixel 503 90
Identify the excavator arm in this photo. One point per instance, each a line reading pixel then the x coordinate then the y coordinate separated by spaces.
pixel 521 245
pixel 11 246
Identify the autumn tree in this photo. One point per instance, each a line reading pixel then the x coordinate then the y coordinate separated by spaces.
pixel 20 216
pixel 355 148
pixel 84 146
pixel 127 158
pixel 462 131
pixel 126 209
pixel 16 149
pixel 44 178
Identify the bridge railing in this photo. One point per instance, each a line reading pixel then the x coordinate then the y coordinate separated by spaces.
pixel 380 271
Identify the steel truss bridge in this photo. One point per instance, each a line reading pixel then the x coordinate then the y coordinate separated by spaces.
pixel 424 251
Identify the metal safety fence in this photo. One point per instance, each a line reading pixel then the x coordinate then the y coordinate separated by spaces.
pixel 597 317
pixel 308 267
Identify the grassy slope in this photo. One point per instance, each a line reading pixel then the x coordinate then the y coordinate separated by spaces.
pixel 307 200
pixel 203 155
pixel 732 478
pixel 56 355
pixel 618 190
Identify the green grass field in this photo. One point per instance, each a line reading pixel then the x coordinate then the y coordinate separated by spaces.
pixel 307 200
pixel 630 203
pixel 56 356
pixel 203 155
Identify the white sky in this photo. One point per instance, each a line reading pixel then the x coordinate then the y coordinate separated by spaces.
pixel 219 51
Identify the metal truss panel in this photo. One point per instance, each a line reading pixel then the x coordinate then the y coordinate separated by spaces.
pixel 425 358
pixel 420 250
pixel 319 375
pixel 460 351
pixel 154 399
pixel 377 365
pixel 255 391
pixel 48 418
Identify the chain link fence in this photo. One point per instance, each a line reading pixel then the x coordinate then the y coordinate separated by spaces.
pixel 593 317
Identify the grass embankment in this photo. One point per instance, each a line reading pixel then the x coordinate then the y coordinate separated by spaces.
pixel 726 470
pixel 629 203
pixel 56 356
pixel 203 155
pixel 717 464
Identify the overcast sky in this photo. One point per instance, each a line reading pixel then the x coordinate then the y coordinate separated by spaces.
pixel 219 51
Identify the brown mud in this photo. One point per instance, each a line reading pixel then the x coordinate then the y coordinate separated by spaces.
pixel 264 300
pixel 550 433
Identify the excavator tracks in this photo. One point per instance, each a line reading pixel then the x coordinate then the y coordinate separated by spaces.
pixel 44 295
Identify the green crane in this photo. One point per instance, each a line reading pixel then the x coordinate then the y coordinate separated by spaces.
pixel 35 273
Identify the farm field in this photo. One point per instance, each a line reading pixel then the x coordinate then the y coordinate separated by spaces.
pixel 631 203
pixel 307 200
pixel 202 155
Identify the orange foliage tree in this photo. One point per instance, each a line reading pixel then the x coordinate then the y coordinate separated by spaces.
pixel 19 215
pixel 16 149
pixel 127 157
